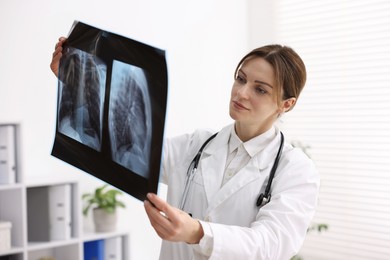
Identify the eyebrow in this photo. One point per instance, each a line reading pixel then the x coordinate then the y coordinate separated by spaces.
pixel 257 81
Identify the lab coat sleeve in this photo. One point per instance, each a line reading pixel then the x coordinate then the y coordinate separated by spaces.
pixel 164 159
pixel 280 226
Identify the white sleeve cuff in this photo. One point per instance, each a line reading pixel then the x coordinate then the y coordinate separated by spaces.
pixel 205 246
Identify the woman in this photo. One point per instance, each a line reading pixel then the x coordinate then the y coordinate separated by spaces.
pixel 219 216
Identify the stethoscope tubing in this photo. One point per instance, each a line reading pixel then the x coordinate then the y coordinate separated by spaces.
pixel 189 180
pixel 191 173
pixel 263 198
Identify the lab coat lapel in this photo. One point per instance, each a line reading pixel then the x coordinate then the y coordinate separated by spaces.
pixel 246 175
pixel 257 168
pixel 213 161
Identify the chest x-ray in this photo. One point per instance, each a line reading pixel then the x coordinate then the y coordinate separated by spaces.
pixel 80 113
pixel 130 117
pixel 111 108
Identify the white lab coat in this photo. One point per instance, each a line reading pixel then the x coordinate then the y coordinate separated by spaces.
pixel 240 229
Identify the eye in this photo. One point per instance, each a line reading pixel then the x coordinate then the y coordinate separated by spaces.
pixel 240 79
pixel 261 90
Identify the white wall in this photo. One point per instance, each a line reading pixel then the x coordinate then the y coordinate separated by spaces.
pixel 203 41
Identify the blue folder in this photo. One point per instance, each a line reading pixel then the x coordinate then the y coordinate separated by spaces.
pixel 94 250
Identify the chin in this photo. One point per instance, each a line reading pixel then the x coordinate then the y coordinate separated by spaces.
pixel 233 115
pixel 231 112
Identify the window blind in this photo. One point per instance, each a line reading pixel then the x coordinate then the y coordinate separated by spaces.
pixel 343 116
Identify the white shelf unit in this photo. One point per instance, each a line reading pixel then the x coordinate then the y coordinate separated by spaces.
pixel 16 207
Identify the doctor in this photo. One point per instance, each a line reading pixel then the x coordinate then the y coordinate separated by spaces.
pixel 234 169
pixel 213 213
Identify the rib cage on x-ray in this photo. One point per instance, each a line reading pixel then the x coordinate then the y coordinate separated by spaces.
pixel 82 82
pixel 130 118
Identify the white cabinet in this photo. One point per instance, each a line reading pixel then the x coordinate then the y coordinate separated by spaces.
pixel 46 219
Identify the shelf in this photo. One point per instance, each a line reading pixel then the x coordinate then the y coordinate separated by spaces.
pixel 46 217
pixel 91 236
pixel 48 180
pixel 50 244
pixel 12 251
pixel 11 186
pixel 63 252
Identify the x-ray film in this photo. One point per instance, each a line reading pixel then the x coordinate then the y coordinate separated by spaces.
pixel 112 94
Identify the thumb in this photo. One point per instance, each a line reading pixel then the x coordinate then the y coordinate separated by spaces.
pixel 162 206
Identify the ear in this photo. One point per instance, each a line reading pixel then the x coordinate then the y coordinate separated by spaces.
pixel 288 104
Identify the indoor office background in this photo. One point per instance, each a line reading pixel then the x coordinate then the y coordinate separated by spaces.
pixel 342 119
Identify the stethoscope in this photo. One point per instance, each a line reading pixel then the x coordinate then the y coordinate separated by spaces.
pixel 263 198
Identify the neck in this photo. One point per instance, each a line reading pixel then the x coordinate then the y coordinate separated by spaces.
pixel 245 132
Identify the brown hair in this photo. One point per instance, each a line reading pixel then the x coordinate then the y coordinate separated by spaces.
pixel 289 69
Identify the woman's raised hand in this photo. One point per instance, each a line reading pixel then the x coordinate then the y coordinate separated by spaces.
pixel 57 54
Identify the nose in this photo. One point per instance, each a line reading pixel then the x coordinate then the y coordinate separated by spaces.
pixel 243 92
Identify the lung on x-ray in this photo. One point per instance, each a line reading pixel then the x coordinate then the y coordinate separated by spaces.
pixel 111 108
pixel 81 97
pixel 130 117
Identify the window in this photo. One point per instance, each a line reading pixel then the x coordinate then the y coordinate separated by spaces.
pixel 343 116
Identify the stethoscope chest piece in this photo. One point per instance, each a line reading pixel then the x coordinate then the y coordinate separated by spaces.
pixel 262 200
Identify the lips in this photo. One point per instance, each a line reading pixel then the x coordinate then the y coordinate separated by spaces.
pixel 240 106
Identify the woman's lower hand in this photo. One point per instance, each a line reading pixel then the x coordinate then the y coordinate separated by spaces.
pixel 170 223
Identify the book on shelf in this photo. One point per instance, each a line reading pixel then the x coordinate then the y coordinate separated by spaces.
pixel 7 154
pixel 60 212
pixel 94 250
pixel 113 248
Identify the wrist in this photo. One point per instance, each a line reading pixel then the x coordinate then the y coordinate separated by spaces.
pixel 196 233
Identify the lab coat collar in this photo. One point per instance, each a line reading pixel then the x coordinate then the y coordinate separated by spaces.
pixel 212 165
pixel 262 157
pixel 265 158
pixel 219 141
pixel 234 141
pixel 260 142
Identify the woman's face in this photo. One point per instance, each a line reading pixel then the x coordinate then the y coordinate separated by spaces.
pixel 253 103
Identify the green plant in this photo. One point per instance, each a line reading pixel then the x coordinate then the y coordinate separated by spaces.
pixel 319 227
pixel 103 199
